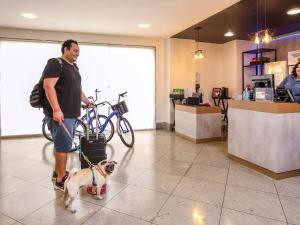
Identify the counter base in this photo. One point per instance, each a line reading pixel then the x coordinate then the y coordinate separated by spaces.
pixel 269 173
pixel 198 140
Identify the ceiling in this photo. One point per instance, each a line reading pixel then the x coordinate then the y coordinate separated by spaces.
pixel 241 18
pixel 118 17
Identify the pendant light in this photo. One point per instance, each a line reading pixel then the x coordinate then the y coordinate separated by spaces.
pixel 199 54
pixel 264 35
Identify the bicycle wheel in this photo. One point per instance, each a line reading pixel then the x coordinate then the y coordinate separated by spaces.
pixel 80 131
pixel 109 130
pixel 46 131
pixel 125 131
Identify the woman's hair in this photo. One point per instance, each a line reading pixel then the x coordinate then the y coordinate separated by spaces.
pixel 294 69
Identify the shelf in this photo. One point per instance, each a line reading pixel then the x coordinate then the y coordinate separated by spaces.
pixel 260 57
pixel 253 66
pixel 260 50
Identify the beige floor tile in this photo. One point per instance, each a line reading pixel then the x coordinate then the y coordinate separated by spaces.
pixel 291 207
pixel 18 164
pixel 36 173
pixel 125 173
pixel 110 217
pixel 231 217
pixel 253 202
pixel 55 213
pixel 180 156
pixel 4 220
pixel 162 182
pixel 289 186
pixel 21 203
pixel 153 168
pixel 200 190
pixel 212 159
pixel 138 202
pixel 10 184
pixel 172 167
pixel 251 179
pixel 179 211
pixel 209 173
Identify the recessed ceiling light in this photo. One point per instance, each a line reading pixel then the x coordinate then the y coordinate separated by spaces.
pixel 144 25
pixel 293 11
pixel 229 34
pixel 29 15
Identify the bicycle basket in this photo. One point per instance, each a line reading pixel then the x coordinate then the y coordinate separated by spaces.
pixel 121 107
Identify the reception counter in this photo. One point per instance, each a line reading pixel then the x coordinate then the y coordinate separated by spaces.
pixel 198 123
pixel 265 136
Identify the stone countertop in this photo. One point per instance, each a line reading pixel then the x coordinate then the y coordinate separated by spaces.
pixel 269 107
pixel 198 109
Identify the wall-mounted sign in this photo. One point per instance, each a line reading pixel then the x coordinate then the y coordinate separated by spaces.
pixel 293 57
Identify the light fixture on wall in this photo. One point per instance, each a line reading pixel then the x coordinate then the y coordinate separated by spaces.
pixel 199 53
pixel 264 35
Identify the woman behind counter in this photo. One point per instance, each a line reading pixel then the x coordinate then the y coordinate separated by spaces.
pixel 292 82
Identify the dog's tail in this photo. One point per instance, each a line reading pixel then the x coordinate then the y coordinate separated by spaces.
pixel 71 173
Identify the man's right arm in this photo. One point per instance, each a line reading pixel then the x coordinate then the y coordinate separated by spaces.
pixel 49 87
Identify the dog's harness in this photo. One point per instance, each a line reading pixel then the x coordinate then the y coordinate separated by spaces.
pixel 93 173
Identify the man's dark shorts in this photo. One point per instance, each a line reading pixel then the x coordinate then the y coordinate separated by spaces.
pixel 62 141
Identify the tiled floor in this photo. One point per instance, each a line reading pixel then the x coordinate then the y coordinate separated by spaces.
pixel 164 180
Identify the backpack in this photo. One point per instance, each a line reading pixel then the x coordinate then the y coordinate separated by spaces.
pixel 37 96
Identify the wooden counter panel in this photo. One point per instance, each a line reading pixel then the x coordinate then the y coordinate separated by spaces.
pixel 198 109
pixel 270 107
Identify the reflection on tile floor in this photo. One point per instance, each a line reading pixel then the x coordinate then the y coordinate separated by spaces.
pixel 164 179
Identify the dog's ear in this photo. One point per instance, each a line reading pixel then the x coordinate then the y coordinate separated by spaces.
pixel 103 162
pixel 114 162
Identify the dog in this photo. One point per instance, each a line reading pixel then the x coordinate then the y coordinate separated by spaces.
pixel 84 177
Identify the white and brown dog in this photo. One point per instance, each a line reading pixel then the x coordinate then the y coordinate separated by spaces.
pixel 87 177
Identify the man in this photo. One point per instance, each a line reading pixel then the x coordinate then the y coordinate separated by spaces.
pixel 62 84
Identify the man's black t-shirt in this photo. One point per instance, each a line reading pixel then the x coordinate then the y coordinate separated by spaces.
pixel 68 87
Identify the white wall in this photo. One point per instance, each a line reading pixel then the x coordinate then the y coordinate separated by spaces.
pixel 221 67
pixel 181 67
pixel 209 69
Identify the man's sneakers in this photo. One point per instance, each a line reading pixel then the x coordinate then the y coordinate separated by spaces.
pixel 54 175
pixel 60 185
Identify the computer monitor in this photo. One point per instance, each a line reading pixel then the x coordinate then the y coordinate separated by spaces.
pixel 262 81
pixel 284 95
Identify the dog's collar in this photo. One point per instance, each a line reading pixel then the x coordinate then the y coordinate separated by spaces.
pixel 99 169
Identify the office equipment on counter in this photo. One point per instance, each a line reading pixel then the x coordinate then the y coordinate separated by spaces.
pixel 264 94
pixel 216 92
pixel 283 95
pixel 262 81
pixel 224 92
pixel 192 101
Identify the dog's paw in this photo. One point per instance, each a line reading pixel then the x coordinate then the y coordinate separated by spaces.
pixel 100 197
pixel 73 211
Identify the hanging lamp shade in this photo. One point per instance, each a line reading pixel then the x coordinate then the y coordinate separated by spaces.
pixel 199 53
pixel 265 35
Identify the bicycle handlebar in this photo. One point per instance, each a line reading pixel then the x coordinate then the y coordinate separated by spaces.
pixel 123 94
pixel 105 102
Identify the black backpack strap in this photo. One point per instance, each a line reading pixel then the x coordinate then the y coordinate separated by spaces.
pixel 61 64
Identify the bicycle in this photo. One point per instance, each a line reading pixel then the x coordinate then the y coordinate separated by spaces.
pixel 123 126
pixel 80 128
pixel 105 124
